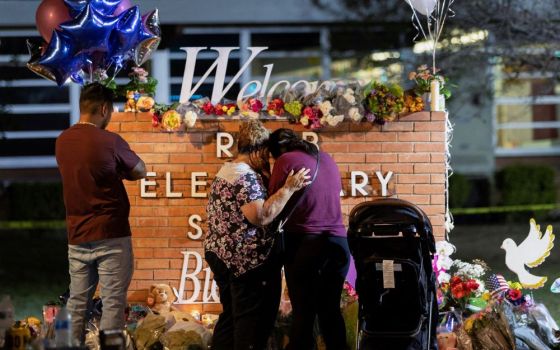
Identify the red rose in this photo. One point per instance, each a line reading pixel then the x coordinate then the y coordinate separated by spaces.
pixel 458 291
pixel 278 103
pixel 208 108
pixel 472 285
pixel 255 104
pixel 308 112
pixel 514 294
pixel 219 110
pixel 155 120
pixel 455 280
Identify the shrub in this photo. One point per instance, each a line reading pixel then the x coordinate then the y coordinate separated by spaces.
pixel 36 201
pixel 526 184
pixel 459 190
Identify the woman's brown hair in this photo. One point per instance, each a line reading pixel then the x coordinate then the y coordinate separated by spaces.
pixel 253 140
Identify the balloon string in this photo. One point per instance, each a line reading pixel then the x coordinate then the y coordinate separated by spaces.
pixel 415 27
pixel 415 17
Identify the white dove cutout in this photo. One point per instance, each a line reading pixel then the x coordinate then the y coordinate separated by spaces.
pixel 531 252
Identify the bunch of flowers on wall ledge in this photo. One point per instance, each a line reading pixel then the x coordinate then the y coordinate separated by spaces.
pixel 316 106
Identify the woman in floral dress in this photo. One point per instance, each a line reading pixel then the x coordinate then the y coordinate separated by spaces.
pixel 237 247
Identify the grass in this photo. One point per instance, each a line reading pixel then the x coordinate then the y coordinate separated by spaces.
pixel 484 241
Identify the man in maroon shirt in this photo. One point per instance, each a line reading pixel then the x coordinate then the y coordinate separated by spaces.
pixel 93 162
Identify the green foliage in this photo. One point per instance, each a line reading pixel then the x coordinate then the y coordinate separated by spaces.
pixel 35 201
pixel 161 108
pixel 459 190
pixel 526 184
pixel 384 101
pixel 148 87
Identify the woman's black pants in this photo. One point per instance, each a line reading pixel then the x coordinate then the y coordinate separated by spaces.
pixel 316 266
pixel 250 305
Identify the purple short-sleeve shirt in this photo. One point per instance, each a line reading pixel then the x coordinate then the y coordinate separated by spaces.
pixel 319 212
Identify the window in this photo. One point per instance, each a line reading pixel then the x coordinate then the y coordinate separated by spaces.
pixel 527 116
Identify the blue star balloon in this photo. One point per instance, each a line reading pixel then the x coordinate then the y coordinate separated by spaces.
pixel 131 37
pixel 60 58
pixel 91 30
pixel 106 7
pixel 127 32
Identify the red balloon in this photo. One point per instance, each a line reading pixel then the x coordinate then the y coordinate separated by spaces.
pixel 49 15
pixel 123 6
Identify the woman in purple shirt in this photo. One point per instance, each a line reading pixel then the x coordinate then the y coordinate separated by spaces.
pixel 316 250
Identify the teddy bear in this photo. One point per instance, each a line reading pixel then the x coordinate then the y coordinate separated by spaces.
pixel 130 105
pixel 161 298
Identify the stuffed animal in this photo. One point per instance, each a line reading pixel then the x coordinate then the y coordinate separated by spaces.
pixel 447 341
pixel 130 105
pixel 161 298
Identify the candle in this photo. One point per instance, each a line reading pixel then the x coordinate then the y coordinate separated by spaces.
pixel 434 95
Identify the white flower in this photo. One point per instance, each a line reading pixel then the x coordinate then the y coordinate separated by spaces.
pixel 333 120
pixel 444 248
pixel 304 120
pixel 190 119
pixel 468 270
pixel 444 262
pixel 325 107
pixel 354 114
pixel 444 277
pixel 349 96
pixel 481 287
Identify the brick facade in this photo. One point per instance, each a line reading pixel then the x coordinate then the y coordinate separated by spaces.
pixel 413 148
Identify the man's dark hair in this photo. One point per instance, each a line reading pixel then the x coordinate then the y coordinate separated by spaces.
pixel 286 140
pixel 93 97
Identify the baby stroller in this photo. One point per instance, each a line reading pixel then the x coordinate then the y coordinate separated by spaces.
pixel 392 243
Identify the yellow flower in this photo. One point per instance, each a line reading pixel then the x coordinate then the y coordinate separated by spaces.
pixel 230 111
pixel 145 103
pixel 515 285
pixel 486 296
pixel 469 324
pixel 171 120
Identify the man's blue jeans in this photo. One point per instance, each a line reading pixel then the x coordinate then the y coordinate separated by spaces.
pixel 109 262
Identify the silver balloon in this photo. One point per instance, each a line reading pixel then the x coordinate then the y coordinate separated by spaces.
pixel 151 27
pixel 35 53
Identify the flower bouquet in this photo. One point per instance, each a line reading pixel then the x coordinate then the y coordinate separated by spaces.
pixel 251 108
pixel 348 102
pixel 423 77
pixel 383 102
pixel 293 103
pixel 319 110
pixel 167 117
pixel 489 329
pixel 275 107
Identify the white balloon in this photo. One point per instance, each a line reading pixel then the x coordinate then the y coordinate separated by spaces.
pixel 425 7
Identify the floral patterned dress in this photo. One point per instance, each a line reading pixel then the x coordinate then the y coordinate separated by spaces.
pixel 241 245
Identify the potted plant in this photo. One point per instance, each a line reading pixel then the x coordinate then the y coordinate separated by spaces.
pixel 423 78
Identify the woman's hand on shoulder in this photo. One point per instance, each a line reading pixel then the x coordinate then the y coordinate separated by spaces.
pixel 297 181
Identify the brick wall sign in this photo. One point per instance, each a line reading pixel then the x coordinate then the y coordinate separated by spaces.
pixel 404 158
